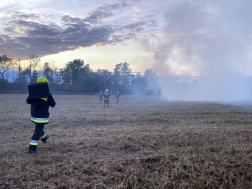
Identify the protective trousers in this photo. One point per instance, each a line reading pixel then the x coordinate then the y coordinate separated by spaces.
pixel 106 101
pixel 38 134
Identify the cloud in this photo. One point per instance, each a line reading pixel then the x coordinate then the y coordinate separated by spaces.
pixel 5 36
pixel 152 23
pixel 9 30
pixel 149 16
pixel 69 19
pixel 43 39
pixel 1 40
pixel 34 16
pixel 137 26
pixel 116 6
pixel 105 11
pixel 137 9
pixel 42 34
pixel 97 15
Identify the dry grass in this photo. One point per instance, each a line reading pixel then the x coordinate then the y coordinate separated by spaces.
pixel 142 142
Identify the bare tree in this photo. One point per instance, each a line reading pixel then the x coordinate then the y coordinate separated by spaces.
pixel 19 69
pixel 33 63
pixel 50 70
pixel 54 68
pixel 5 64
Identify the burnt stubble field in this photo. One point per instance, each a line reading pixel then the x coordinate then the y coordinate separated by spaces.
pixel 142 142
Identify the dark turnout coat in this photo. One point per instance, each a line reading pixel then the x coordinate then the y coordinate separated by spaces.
pixel 40 108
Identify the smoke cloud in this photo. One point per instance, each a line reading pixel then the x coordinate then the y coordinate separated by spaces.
pixel 204 51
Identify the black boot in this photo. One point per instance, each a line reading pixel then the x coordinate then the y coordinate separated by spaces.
pixel 32 149
pixel 45 139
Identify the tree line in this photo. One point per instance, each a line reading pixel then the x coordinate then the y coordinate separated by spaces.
pixel 76 77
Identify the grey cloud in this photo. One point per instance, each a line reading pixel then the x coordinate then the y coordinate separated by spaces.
pixel 67 18
pixel 119 38
pixel 124 4
pixel 137 1
pixel 42 39
pixel 1 40
pixel 33 36
pixel 152 23
pixel 97 15
pixel 116 6
pixel 36 29
pixel 10 46
pixel 25 16
pixel 149 16
pixel 137 26
pixel 8 29
pixel 105 11
pixel 34 16
pixel 129 36
pixel 5 36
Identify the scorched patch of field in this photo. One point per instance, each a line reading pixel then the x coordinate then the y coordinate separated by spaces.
pixel 142 142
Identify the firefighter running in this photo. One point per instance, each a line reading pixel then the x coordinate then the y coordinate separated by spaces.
pixel 117 96
pixel 39 116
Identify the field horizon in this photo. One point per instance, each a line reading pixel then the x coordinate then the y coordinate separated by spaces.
pixel 141 142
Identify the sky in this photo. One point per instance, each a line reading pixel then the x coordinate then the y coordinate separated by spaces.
pixel 186 38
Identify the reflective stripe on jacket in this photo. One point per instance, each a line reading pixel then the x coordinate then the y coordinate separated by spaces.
pixel 40 107
pixel 40 120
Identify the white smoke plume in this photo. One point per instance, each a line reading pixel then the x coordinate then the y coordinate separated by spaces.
pixel 209 43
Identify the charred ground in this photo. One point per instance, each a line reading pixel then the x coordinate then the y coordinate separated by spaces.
pixel 142 142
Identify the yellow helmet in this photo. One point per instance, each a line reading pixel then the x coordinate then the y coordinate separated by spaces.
pixel 42 80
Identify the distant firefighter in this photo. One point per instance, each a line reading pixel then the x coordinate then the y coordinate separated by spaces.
pixel 106 98
pixel 117 96
pixel 40 99
pixel 100 95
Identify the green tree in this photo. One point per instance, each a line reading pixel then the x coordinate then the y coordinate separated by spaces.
pixel 24 75
pixel 34 77
pixel 71 74
pixel 122 73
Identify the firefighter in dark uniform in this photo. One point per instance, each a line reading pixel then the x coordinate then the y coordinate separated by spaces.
pixel 117 96
pixel 106 98
pixel 39 116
